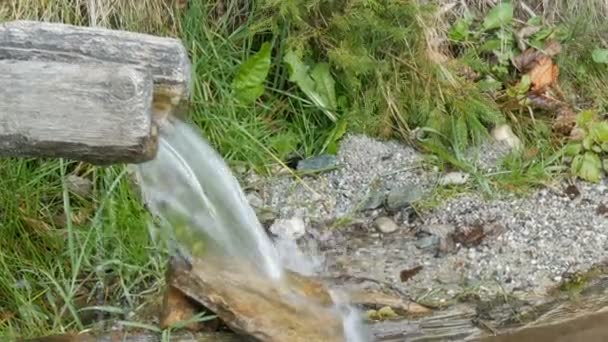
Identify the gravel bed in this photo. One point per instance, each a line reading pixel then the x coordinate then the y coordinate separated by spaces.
pixel 531 241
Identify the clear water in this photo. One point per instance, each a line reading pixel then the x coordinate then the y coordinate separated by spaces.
pixel 189 187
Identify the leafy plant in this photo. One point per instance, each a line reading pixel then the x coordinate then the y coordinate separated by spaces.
pixel 248 84
pixel 317 84
pixel 499 16
pixel 600 55
pixel 589 152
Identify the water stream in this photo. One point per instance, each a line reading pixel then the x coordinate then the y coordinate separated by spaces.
pixel 189 187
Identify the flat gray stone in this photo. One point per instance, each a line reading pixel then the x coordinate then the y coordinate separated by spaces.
pixel 320 162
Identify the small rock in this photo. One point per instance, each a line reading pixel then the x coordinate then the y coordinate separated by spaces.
pixel 402 197
pixel 293 228
pixel 254 200
pixel 79 186
pixel 265 215
pixel 321 162
pixel 385 225
pixel 374 200
pixel 504 133
pixel 454 178
pixel 430 242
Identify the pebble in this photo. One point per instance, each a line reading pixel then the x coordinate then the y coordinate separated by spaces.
pixel 385 225
pixel 454 178
pixel 430 242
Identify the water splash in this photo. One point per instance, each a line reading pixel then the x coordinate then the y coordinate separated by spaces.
pixel 189 182
pixel 189 187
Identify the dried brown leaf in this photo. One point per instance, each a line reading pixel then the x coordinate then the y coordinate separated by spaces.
pixel 543 74
pixel 406 275
pixel 470 236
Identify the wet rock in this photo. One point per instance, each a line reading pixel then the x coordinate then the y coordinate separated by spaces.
pixel 454 178
pixel 385 225
pixel 402 197
pixel 374 200
pixel 437 237
pixel 254 306
pixel 429 242
pixel 293 228
pixel 321 162
pixel 80 186
pixel 254 200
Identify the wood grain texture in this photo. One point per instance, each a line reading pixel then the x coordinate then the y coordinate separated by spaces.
pixel 91 112
pixel 167 58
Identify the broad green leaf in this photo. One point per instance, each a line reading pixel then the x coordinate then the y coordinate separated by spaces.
pixel 585 117
pixel 573 149
pixel 543 34
pixel 590 167
pixel 596 148
pixel 605 163
pixel 325 84
pixel 605 147
pixel 491 45
pixel 599 131
pixel 588 142
pixel 600 56
pixel 520 88
pixel 500 15
pixel 576 164
pixel 298 73
pixel 460 30
pixel 248 84
pixel 332 141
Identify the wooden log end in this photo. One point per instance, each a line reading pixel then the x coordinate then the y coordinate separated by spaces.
pixel 167 58
pixel 97 113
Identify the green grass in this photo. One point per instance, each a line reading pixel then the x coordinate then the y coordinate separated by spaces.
pixel 386 87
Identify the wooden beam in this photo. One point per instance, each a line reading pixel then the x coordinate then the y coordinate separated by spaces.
pixel 91 112
pixel 167 58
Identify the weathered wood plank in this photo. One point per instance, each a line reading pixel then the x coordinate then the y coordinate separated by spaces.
pixel 90 112
pixel 167 58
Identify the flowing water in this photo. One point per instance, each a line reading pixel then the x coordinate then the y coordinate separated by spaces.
pixel 189 187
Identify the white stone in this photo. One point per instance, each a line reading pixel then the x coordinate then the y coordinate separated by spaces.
pixel 454 178
pixel 385 225
pixel 293 228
